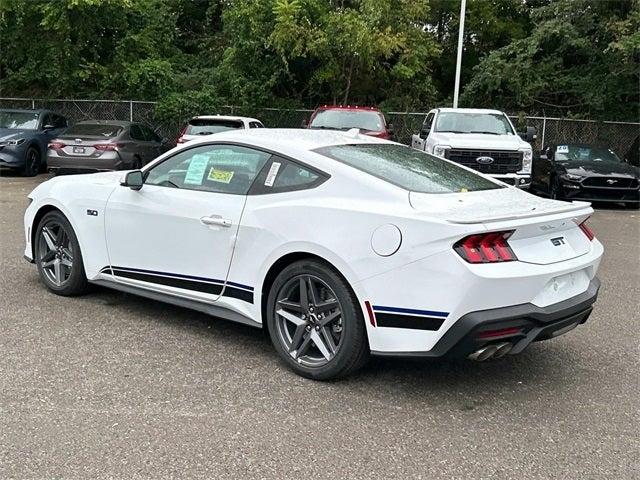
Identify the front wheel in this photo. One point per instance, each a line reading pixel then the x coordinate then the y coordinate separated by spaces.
pixel 315 321
pixel 31 162
pixel 58 256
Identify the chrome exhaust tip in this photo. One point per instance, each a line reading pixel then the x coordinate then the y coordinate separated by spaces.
pixel 503 349
pixel 483 353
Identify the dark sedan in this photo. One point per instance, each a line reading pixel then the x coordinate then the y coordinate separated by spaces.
pixel 585 172
pixel 99 145
pixel 24 135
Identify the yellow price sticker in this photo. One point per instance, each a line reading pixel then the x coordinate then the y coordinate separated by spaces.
pixel 221 176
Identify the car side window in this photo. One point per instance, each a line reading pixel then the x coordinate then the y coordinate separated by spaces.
pixel 149 136
pixel 282 175
pixel 136 132
pixel 47 120
pixel 429 121
pixel 210 168
pixel 255 125
pixel 59 121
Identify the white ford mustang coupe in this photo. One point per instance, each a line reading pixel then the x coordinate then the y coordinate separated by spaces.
pixel 340 244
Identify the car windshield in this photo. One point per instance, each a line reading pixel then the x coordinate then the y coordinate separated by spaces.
pixel 486 123
pixel 19 120
pixel 584 153
pixel 408 168
pixel 210 126
pixel 95 130
pixel 346 119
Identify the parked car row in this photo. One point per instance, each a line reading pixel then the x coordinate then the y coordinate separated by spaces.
pixel 480 139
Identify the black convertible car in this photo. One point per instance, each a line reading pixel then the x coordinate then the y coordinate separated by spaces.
pixel 585 172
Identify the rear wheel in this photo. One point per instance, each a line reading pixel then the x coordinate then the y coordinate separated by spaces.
pixel 315 322
pixel 58 256
pixel 31 162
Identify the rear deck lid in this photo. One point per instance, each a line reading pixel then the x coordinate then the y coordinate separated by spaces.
pixel 545 231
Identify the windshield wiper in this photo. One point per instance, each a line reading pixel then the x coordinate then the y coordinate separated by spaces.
pixel 205 133
pixel 451 131
pixel 487 133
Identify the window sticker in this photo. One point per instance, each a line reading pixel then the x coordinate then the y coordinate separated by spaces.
pixel 271 176
pixel 195 172
pixel 562 149
pixel 220 176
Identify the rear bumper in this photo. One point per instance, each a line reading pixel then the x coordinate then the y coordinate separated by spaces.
pixel 106 162
pixel 534 324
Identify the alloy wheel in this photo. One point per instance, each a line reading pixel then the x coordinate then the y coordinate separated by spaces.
pixel 32 161
pixel 55 253
pixel 309 320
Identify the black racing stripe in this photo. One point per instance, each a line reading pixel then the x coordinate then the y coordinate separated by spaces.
pixel 408 321
pixel 238 293
pixel 184 283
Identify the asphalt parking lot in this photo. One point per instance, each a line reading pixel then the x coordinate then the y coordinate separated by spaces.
pixel 112 385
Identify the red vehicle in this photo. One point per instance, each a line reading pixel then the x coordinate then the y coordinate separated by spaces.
pixel 369 120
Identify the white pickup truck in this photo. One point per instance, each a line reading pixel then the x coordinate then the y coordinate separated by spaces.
pixel 484 140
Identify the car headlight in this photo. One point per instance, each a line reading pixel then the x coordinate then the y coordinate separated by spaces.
pixel 527 158
pixel 13 142
pixel 572 176
pixel 440 150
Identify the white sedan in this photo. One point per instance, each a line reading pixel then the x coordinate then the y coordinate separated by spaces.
pixel 341 245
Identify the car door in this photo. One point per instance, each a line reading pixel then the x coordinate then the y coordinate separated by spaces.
pixel 139 146
pixel 419 140
pixel 177 233
pixel 542 169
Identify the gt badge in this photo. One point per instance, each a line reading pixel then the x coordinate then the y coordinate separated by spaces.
pixel 558 241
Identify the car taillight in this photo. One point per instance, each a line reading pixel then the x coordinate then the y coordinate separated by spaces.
pixel 56 146
pixel 106 147
pixel 586 230
pixel 486 248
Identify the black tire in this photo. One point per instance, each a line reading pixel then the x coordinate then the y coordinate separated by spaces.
pixel 554 188
pixel 352 350
pixel 75 282
pixel 32 162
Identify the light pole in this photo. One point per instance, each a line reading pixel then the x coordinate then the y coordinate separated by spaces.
pixel 456 88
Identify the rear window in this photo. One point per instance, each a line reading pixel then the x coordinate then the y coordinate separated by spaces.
pixel 346 119
pixel 408 168
pixel 208 127
pixel 95 130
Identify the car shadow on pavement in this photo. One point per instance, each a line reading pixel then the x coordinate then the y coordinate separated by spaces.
pixel 542 364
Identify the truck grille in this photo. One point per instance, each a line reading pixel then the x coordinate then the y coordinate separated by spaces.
pixel 610 182
pixel 503 161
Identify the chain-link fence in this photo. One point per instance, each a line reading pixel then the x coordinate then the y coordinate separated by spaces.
pixel 618 136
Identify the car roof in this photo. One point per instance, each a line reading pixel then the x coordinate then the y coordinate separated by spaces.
pixel 225 117
pixel 470 110
pixel 291 139
pixel 25 110
pixel 119 123
pixel 349 107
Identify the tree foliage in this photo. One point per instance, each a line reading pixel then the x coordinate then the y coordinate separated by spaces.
pixel 575 57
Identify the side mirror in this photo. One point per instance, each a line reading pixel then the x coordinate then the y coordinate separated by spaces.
pixel 133 179
pixel 304 123
pixel 529 134
pixel 424 132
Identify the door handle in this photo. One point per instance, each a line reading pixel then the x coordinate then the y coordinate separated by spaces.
pixel 216 220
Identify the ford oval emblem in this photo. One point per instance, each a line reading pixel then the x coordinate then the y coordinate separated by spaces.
pixel 484 160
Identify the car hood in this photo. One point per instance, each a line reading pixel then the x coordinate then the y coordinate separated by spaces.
pixel 587 168
pixel 480 141
pixel 484 206
pixel 10 134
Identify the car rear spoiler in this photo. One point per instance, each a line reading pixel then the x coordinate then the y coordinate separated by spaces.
pixel 571 207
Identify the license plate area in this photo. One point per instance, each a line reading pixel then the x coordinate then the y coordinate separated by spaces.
pixel 562 287
pixel 78 149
